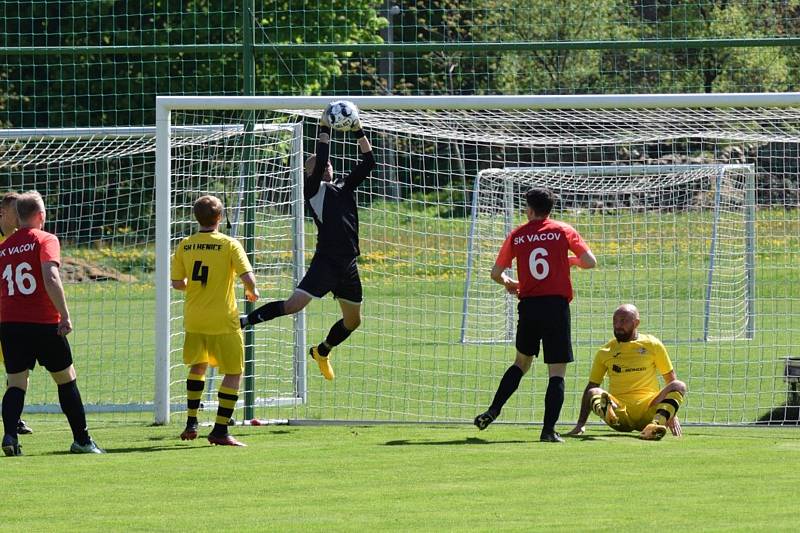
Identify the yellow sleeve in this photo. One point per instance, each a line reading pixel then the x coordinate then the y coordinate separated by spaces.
pixel 177 270
pixel 661 357
pixel 240 262
pixel 598 369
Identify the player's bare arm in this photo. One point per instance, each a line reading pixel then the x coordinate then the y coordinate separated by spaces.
pixel 586 260
pixel 179 284
pixel 672 384
pixel 250 289
pixel 499 276
pixel 364 145
pixel 583 417
pixel 55 290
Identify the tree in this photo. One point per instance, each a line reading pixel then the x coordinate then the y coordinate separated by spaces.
pixel 82 89
pixel 559 70
pixel 716 69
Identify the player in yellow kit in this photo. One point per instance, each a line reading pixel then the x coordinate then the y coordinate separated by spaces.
pixel 205 266
pixel 634 401
pixel 9 222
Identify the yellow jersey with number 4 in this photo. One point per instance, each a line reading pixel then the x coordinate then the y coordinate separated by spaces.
pixel 210 262
pixel 632 367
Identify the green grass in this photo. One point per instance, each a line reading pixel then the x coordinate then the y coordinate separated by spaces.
pixel 402 478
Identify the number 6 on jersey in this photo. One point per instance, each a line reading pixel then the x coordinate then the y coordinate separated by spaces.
pixel 539 266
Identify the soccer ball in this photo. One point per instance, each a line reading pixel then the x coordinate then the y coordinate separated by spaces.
pixel 342 115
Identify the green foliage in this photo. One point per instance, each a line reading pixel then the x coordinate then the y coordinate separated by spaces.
pixel 721 69
pixel 135 260
pixel 554 70
pixel 82 89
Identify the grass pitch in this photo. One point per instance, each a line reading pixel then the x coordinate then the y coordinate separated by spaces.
pixel 401 477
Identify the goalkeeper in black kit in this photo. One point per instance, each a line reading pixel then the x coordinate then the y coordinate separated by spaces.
pixel 333 268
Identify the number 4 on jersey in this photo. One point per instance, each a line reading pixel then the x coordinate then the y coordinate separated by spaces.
pixel 200 273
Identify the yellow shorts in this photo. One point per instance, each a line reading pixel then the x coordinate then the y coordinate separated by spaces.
pixel 226 351
pixel 634 413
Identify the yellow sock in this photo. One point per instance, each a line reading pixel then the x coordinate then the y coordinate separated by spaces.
pixel 667 408
pixel 195 384
pixel 227 403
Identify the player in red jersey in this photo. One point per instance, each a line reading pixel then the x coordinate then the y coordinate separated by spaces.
pixel 35 322
pixel 8 225
pixel 542 249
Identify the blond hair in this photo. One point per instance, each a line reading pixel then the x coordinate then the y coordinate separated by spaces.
pixel 8 199
pixel 207 210
pixel 29 204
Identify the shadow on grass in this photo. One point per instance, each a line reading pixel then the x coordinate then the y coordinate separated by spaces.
pixel 137 449
pixel 467 440
pixel 603 436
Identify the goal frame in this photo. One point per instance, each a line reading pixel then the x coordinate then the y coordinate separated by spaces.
pixel 165 105
pixel 717 169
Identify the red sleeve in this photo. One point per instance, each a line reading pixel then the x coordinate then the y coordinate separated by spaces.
pixel 576 244
pixel 506 255
pixel 50 249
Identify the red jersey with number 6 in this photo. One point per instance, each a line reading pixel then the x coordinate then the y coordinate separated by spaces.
pixel 23 297
pixel 541 249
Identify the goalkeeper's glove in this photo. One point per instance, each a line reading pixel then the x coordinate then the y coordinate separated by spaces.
pixel 357 129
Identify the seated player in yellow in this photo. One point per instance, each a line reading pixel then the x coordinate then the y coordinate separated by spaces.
pixel 205 265
pixel 634 400
pixel 9 222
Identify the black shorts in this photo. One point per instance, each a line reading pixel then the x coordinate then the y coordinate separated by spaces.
pixel 24 344
pixel 545 319
pixel 338 275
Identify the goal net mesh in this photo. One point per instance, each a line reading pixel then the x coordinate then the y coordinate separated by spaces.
pixel 704 241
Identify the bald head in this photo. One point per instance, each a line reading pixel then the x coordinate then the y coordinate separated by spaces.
pixel 626 323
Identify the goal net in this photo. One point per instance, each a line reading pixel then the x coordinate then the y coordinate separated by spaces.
pixel 689 203
pixel 97 185
pixel 100 193
pixel 699 243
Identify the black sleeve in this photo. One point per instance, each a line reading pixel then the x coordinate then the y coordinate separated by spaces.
pixel 311 185
pixel 360 172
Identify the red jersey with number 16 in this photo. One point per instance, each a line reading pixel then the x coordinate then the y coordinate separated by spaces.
pixel 541 249
pixel 23 297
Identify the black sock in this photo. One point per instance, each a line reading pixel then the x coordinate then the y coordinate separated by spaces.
pixel 13 402
pixel 70 399
pixel 266 312
pixel 553 400
pixel 336 336
pixel 508 385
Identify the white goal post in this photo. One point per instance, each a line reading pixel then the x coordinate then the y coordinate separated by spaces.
pixel 687 200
